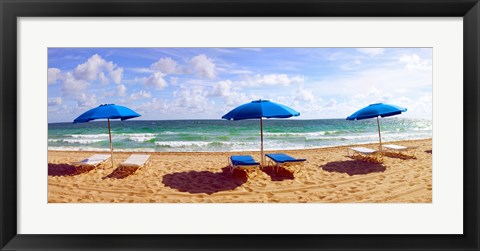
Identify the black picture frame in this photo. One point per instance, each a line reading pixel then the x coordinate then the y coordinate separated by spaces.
pixel 10 10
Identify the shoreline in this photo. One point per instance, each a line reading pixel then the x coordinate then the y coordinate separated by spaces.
pixel 237 151
pixel 329 175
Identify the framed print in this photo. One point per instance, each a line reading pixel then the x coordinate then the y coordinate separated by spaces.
pixel 239 125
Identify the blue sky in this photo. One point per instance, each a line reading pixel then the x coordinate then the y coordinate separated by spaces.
pixel 206 83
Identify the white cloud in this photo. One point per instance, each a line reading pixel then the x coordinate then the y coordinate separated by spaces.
pixel 372 51
pixel 140 70
pixel 374 95
pixel 174 80
pixel 221 89
pixel 103 79
pixel 203 67
pixel 94 68
pixel 351 65
pixel 84 100
pixel 239 72
pixel 72 86
pixel 304 95
pixel 164 65
pixel 414 61
pixel 272 79
pixel 54 74
pixel 90 69
pixel 55 101
pixel 121 90
pixel 116 75
pixel 156 80
pixel 192 99
pixel 140 94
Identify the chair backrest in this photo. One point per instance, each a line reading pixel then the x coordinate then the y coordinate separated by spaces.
pixel 95 159
pixel 136 159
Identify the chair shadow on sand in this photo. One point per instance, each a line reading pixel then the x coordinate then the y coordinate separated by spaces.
pixel 399 155
pixel 122 172
pixel 279 175
pixel 354 167
pixel 67 169
pixel 205 182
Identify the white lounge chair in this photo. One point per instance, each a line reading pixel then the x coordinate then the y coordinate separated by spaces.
pixel 365 153
pixel 93 160
pixel 136 160
pixel 399 149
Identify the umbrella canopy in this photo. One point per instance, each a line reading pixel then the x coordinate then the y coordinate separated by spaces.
pixel 260 109
pixel 107 111
pixel 375 111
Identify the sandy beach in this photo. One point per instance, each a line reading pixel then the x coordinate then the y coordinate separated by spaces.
pixel 329 175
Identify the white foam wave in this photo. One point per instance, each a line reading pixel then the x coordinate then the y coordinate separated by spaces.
pixel 82 141
pixel 96 149
pixel 138 137
pixel 181 143
pixel 89 136
pixel 299 134
pixel 141 138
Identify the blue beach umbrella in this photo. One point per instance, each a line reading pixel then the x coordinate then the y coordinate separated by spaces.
pixel 107 111
pixel 375 111
pixel 259 109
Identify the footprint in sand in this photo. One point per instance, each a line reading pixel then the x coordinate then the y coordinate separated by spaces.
pixel 248 189
pixel 269 194
pixel 332 186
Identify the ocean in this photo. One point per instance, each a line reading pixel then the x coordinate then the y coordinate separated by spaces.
pixel 224 136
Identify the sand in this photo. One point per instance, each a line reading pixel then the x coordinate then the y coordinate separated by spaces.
pixel 330 175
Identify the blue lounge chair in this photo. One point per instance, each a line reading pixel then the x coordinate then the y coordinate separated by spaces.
pixel 244 162
pixel 283 160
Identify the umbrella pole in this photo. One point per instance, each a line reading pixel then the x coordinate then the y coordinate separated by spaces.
pixel 110 136
pixel 379 135
pixel 261 140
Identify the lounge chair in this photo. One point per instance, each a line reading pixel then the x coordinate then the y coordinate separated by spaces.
pixel 283 160
pixel 136 160
pixel 365 153
pixel 244 162
pixel 400 149
pixel 93 161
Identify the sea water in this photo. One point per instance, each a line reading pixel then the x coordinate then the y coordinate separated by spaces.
pixel 223 135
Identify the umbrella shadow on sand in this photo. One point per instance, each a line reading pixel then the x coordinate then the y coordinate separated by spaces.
pixel 67 169
pixel 278 175
pixel 354 167
pixel 205 182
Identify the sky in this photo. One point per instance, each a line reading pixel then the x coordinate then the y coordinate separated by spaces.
pixel 206 83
